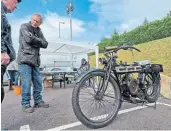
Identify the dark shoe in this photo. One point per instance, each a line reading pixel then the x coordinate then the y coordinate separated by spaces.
pixel 41 105
pixel 28 109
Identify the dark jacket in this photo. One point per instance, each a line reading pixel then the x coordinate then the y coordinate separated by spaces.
pixel 6 41
pixel 31 40
pixel 85 64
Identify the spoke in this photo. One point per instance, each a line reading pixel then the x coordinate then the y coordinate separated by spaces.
pixel 106 106
pixel 88 108
pixel 93 87
pixel 88 104
pixel 91 112
pixel 109 103
pixel 87 91
pixel 99 106
pixel 85 100
pixel 96 84
pixel 109 96
pixel 96 103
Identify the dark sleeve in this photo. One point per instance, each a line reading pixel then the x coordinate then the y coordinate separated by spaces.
pixel 3 46
pixel 29 37
pixel 44 43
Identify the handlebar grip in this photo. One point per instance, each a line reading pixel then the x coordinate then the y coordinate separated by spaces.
pixel 136 49
pixel 110 48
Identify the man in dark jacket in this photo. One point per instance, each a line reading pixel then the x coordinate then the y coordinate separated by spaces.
pixel 7 51
pixel 84 64
pixel 84 67
pixel 31 39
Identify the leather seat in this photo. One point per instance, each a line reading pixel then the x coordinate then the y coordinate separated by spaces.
pixel 142 63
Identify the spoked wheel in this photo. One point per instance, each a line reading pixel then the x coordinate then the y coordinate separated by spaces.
pixel 93 108
pixel 153 88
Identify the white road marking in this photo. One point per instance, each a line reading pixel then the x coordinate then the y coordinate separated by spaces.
pixel 164 104
pixel 25 128
pixel 134 109
pixel 96 118
pixel 65 126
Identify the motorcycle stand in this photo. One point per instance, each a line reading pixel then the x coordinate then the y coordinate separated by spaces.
pixel 138 101
pixel 154 106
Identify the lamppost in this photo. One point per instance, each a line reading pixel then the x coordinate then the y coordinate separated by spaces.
pixel 69 10
pixel 59 27
pixel 54 63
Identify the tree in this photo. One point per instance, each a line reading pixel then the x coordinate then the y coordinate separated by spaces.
pixel 145 21
pixel 169 14
pixel 104 42
pixel 125 31
pixel 157 29
pixel 115 38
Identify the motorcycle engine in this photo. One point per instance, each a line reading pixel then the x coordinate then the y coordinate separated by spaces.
pixel 133 86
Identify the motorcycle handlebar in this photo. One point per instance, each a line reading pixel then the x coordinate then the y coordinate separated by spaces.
pixel 115 49
pixel 135 49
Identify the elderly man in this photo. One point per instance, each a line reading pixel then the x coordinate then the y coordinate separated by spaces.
pixel 7 51
pixel 31 39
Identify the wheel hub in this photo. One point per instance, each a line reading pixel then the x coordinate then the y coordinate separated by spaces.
pixel 98 96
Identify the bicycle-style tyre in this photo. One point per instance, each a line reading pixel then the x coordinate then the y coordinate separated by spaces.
pixel 111 107
pixel 155 92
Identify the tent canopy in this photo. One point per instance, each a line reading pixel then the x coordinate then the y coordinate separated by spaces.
pixel 69 48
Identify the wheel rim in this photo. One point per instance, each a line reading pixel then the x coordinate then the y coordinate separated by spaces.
pixel 96 108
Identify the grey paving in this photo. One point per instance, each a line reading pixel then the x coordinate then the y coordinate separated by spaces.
pixel 61 113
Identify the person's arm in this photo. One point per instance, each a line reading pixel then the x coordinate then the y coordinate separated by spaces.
pixel 44 43
pixel 4 56
pixel 29 37
pixel 3 46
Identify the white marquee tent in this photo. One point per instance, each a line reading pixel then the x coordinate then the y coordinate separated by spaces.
pixel 63 51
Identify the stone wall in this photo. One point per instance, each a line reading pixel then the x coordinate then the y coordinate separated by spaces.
pixel 166 86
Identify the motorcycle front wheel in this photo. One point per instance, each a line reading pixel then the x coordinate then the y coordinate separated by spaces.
pixel 96 110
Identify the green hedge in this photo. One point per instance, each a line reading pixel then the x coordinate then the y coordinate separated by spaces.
pixel 147 32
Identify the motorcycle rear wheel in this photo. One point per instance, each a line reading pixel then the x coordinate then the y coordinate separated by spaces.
pixel 153 92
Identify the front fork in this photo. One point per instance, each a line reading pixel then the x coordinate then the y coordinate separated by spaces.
pixel 102 87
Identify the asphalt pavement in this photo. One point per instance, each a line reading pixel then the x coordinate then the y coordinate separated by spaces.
pixel 60 116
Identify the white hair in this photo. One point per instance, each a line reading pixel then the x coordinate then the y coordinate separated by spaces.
pixel 39 15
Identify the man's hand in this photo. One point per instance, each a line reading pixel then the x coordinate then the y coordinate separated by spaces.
pixel 5 59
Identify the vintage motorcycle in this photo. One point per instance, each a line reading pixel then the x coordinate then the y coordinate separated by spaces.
pixel 99 93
